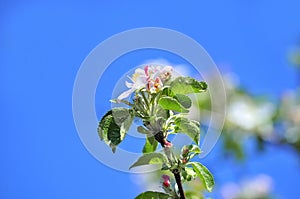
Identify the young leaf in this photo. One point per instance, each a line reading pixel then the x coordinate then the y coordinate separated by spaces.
pixel 193 195
pixel 184 100
pixel 192 148
pixel 160 112
pixel 170 103
pixel 142 130
pixel 189 127
pixel 108 127
pixel 104 124
pixel 186 85
pixel 150 158
pixel 126 125
pixel 121 115
pixel 190 151
pixel 167 91
pixel 188 174
pixel 204 174
pixel 114 125
pixel 153 195
pixel 116 101
pixel 150 145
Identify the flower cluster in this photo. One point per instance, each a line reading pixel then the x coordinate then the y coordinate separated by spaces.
pixel 151 78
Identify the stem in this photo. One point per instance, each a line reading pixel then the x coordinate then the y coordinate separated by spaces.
pixel 145 100
pixel 179 183
pixel 170 155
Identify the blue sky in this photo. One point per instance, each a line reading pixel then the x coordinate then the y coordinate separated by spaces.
pixel 42 45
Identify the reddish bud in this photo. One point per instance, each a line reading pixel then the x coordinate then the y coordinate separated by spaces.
pixel 184 161
pixel 167 144
pixel 166 183
pixel 185 151
pixel 165 177
pixel 146 69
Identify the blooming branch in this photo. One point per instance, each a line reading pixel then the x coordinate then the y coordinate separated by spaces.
pixel 161 101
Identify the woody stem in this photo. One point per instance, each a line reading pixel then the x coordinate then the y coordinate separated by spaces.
pixel 169 153
pixel 179 183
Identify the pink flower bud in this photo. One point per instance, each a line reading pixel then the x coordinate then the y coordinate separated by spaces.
pixel 146 70
pixel 166 177
pixel 167 144
pixel 166 182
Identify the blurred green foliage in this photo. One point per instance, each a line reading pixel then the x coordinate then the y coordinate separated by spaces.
pixel 265 119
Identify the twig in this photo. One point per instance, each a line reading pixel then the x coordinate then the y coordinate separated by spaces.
pixel 168 151
pixel 178 182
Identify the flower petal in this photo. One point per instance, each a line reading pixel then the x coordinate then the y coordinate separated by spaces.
pixel 166 177
pixel 126 94
pixel 139 71
pixel 128 84
pixel 146 70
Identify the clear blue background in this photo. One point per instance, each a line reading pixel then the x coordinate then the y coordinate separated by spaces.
pixel 42 45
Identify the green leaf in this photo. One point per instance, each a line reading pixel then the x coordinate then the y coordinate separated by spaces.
pixel 142 130
pixel 170 103
pixel 121 115
pixel 184 100
pixel 160 112
pixel 165 166
pixel 150 145
pixel 153 195
pixel 116 101
pixel 188 127
pixel 186 85
pixel 114 125
pixel 190 151
pixel 107 126
pixel 188 174
pixel 125 126
pixel 104 124
pixel 193 195
pixel 204 174
pixel 167 91
pixel 192 148
pixel 150 158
